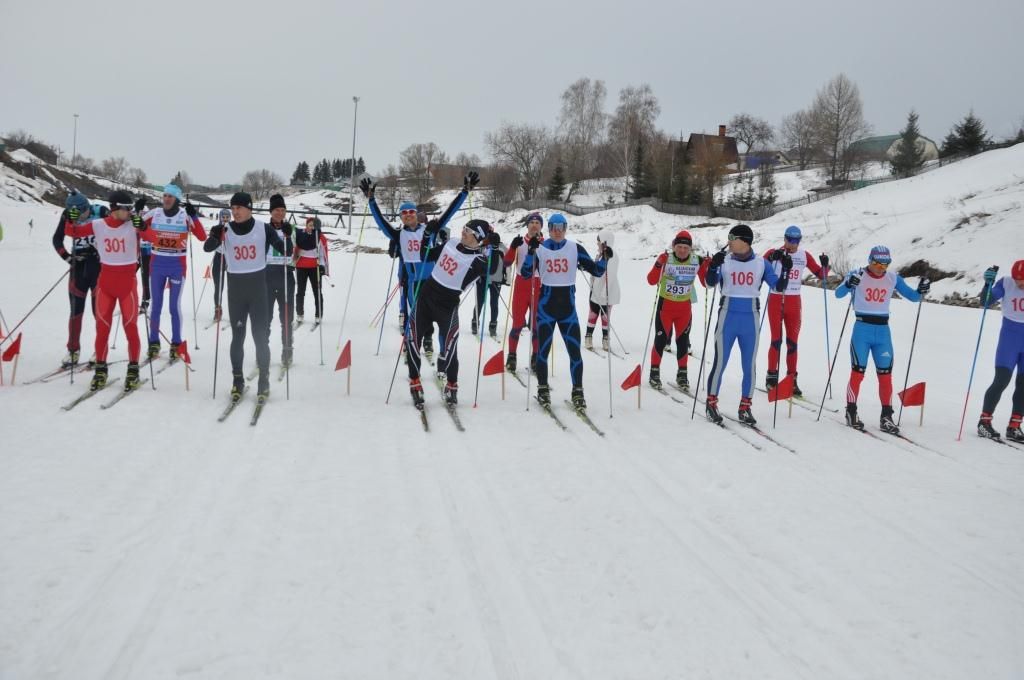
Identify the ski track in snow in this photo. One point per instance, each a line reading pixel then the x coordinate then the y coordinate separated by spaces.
pixel 336 539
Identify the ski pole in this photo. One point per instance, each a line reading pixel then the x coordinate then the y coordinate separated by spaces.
pixel 534 341
pixel 647 342
pixel 71 314
pixel 3 322
pixel 910 357
pixel 824 297
pixel 974 361
pixel 389 296
pixel 704 349
pixel 10 331
pixel 387 300
pixel 202 292
pixel 320 298
pixel 192 275
pixel 287 326
pixel 607 312
pixel 152 374
pixel 504 336
pixel 217 302
pixel 480 318
pixel 351 279
pixel 832 366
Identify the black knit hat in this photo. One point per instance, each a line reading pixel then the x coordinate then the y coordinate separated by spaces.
pixel 277 201
pixel 480 229
pixel 243 199
pixel 743 233
pixel 120 199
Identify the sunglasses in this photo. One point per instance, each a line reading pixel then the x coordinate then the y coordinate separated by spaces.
pixel 408 212
pixel 883 265
pixel 734 237
pixel 792 240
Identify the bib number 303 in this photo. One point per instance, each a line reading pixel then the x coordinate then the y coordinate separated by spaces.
pixel 245 252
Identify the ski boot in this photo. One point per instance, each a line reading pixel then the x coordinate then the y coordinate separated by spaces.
pixel 771 381
pixel 153 351
pixel 416 390
pixel 682 380
pixel 451 393
pixel 711 410
pixel 316 320
pixel 578 402
pixel 237 386
pixel 70 360
pixel 985 428
pixel 172 353
pixel 797 392
pixel 131 377
pixel 286 357
pixel 544 395
pixel 510 363
pixel 588 341
pixel 851 417
pixel 92 361
pixel 1013 431
pixel 263 386
pixel 299 319
pixel 655 378
pixel 745 415
pixel 604 342
pixel 99 378
pixel 492 330
pixel 886 423
pixel 217 313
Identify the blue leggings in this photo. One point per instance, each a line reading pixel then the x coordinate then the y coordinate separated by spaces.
pixel 874 341
pixel 161 271
pixel 734 326
pixel 557 307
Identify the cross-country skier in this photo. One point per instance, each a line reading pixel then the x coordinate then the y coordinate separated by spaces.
pixel 493 293
pixel 117 243
pixel 281 277
pixel 675 275
pixel 410 239
pixel 802 259
pixel 218 263
pixel 872 290
pixel 1009 351
pixel 168 229
pixel 84 262
pixel 604 293
pixel 526 290
pixel 246 242
pixel 311 265
pixel 741 275
pixel 457 265
pixel 557 259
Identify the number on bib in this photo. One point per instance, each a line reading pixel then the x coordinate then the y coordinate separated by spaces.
pixel 742 278
pixel 1018 304
pixel 448 264
pixel 245 252
pixel 113 245
pixel 412 246
pixel 558 265
pixel 875 294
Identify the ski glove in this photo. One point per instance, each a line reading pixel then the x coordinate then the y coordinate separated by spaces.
pixel 70 258
pixel 776 255
pixel 990 275
pixel 535 243
pixel 323 270
pixel 190 209
pixel 924 286
pixel 824 261
pixel 144 307
pixel 787 262
pixel 718 259
pixel 393 249
pixel 137 221
pixel 140 204
pixel 662 259
pixel 852 281
pixel 368 187
pixel 516 242
pixel 471 179
pixel 286 229
pixel 608 254
pixel 493 240
pixel 74 214
pixel 217 233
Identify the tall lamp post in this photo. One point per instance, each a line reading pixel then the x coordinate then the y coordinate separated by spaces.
pixel 74 143
pixel 352 168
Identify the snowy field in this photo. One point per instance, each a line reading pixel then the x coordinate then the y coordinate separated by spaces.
pixel 337 539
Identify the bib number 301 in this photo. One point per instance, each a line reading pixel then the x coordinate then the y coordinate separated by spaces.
pixel 113 245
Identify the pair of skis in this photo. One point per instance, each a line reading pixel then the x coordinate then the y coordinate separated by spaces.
pixel 581 413
pixel 89 394
pixel 749 426
pixel 261 401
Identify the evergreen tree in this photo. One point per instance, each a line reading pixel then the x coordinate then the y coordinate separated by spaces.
pixel 910 156
pixel 637 185
pixel 337 169
pixel 360 166
pixel 305 172
pixel 557 185
pixel 297 176
pixel 766 191
pixel 968 136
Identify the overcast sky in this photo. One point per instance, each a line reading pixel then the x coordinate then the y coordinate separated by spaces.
pixel 217 90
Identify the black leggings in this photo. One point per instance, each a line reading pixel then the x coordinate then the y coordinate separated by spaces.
pixel 439 305
pixel 312 276
pixel 492 298
pixel 247 302
pixel 995 390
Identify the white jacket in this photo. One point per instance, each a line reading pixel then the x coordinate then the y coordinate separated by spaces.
pixel 605 290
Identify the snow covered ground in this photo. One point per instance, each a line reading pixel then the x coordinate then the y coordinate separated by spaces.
pixel 336 539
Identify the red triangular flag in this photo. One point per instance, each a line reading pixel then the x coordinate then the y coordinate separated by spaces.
pixel 495 364
pixel 633 380
pixel 913 395
pixel 183 352
pixel 784 390
pixel 345 360
pixel 13 350
pixel 206 274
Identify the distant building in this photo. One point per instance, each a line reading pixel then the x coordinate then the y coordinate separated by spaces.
pixel 755 159
pixel 719 149
pixel 885 148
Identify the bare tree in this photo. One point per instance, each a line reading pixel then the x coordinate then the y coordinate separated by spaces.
pixel 414 165
pixel 838 116
pixel 525 148
pixel 467 160
pixel 634 118
pixel 87 165
pixel 798 136
pixel 754 132
pixel 387 192
pixel 260 183
pixel 503 183
pixel 581 128
pixel 115 168
pixel 137 177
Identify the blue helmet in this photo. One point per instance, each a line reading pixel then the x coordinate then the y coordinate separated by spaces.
pixel 77 200
pixel 558 221
pixel 407 205
pixel 793 233
pixel 880 254
pixel 173 190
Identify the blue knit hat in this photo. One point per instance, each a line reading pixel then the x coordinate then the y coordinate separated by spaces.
pixel 558 221
pixel 793 233
pixel 407 205
pixel 77 200
pixel 173 190
pixel 880 254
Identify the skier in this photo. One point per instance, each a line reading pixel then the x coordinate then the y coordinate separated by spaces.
pixel 604 294
pixel 168 229
pixel 84 262
pixel 117 243
pixel 458 264
pixel 281 278
pixel 246 242
pixel 872 290
pixel 1009 351
pixel 218 262
pixel 410 240
pixel 311 265
pixel 802 259
pixel 492 295
pixel 525 291
pixel 741 275
pixel 674 274
pixel 557 259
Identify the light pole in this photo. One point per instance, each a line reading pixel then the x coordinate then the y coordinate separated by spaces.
pixel 74 143
pixel 352 168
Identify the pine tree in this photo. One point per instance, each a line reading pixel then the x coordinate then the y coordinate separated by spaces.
pixel 337 170
pixel 360 166
pixel 968 136
pixel 305 172
pixel 910 155
pixel 766 191
pixel 557 185
pixel 637 184
pixel 297 176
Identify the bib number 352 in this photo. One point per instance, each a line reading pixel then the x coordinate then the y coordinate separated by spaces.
pixel 448 264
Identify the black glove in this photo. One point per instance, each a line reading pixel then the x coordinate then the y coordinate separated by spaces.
pixel 323 271
pixel 608 254
pixel 137 221
pixel 286 229
pixel 217 233
pixel 368 187
pixel 535 243
pixel 393 249
pixel 516 242
pixel 71 257
pixel 471 179
pixel 493 240
pixel 74 214
pixel 852 281
pixel 776 255
pixel 787 261
pixel 717 259
pixel 144 307
pixel 190 209
pixel 924 285
pixel 824 261
pixel 140 204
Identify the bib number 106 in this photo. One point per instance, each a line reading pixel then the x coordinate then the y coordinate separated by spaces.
pixel 742 278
